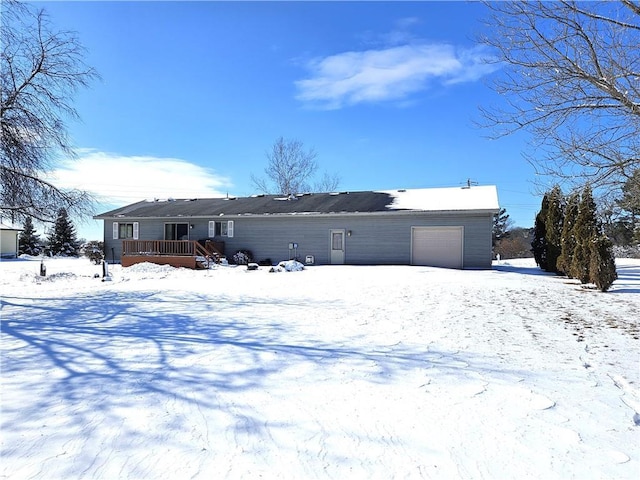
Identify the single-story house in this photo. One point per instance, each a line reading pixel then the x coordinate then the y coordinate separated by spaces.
pixel 444 227
pixel 9 241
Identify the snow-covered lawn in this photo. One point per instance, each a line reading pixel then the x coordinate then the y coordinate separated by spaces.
pixel 331 372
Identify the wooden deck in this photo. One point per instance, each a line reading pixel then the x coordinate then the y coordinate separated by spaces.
pixel 177 253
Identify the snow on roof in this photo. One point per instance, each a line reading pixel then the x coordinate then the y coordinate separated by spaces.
pixel 451 198
pixel 4 226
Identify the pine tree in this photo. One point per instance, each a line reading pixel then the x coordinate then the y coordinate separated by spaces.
pixel 28 241
pixel 567 237
pixel 501 222
pixel 602 267
pixel 539 242
pixel 630 204
pixel 62 240
pixel 553 228
pixel 585 231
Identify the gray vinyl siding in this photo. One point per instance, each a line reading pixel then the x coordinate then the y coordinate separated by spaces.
pixel 112 248
pixel 375 238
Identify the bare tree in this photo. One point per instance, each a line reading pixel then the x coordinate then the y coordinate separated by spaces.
pixel 572 79
pixel 329 182
pixel 290 168
pixel 40 70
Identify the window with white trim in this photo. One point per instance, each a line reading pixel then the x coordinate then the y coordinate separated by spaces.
pixel 221 229
pixel 125 231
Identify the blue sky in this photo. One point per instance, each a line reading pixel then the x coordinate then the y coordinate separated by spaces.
pixel 192 95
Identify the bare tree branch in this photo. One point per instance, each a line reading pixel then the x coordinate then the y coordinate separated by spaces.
pixel 289 170
pixel 328 183
pixel 40 71
pixel 571 78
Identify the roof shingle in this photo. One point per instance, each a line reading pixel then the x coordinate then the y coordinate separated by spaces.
pixel 434 199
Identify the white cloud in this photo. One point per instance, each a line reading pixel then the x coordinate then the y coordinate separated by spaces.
pixel 388 74
pixel 119 180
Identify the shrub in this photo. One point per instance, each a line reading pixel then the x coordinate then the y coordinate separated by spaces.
pixel 602 267
pixel 568 238
pixel 547 231
pixel 539 242
pixel 585 231
pixel 94 251
pixel 242 257
pixel 553 228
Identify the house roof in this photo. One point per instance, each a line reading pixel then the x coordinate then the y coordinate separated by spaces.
pixel 8 227
pixel 476 198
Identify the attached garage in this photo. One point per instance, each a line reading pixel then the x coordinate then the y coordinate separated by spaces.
pixel 437 246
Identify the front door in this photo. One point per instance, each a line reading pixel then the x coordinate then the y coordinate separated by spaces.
pixel 336 256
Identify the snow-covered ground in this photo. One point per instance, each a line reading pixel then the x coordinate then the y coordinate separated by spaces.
pixel 330 372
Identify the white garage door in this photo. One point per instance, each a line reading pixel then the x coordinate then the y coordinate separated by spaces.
pixel 437 246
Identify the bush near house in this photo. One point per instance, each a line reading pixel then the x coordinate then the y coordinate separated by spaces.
pixel 242 257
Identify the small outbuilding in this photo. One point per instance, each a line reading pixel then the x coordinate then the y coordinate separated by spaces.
pixel 442 227
pixel 9 241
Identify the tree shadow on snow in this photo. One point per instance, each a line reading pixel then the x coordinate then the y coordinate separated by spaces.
pixel 506 268
pixel 628 280
pixel 114 353
pixel 628 276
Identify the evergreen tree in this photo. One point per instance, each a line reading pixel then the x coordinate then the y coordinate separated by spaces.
pixel 62 240
pixel 630 204
pixel 553 228
pixel 567 238
pixel 539 242
pixel 585 231
pixel 28 241
pixel 94 251
pixel 602 267
pixel 501 222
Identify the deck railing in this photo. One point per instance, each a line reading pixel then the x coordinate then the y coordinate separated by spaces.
pixel 176 248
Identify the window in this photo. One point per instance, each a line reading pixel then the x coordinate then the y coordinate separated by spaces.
pixel 221 229
pixel 176 231
pixel 125 230
pixel 337 238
